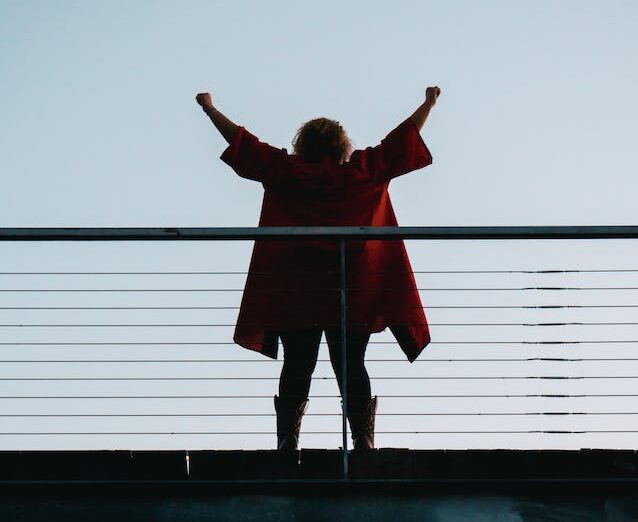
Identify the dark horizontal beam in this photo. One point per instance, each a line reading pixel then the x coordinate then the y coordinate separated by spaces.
pixel 386 465
pixel 235 233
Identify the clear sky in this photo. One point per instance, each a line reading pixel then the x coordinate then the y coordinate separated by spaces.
pixel 536 125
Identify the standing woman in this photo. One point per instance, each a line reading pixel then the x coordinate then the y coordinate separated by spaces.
pixel 291 291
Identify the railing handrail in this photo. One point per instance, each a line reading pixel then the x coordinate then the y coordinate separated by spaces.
pixel 339 235
pixel 318 232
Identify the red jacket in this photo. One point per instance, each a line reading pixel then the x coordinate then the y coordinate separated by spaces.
pixel 293 284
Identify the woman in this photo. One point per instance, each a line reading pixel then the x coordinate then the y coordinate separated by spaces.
pixel 291 288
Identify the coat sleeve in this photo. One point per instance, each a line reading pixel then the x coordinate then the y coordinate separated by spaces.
pixel 400 152
pixel 253 159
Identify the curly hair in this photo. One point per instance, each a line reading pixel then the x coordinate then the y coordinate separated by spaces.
pixel 322 137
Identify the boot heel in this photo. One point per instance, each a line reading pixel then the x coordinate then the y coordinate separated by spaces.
pixel 362 426
pixel 289 415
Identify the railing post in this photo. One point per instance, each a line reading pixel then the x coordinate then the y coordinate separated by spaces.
pixel 342 337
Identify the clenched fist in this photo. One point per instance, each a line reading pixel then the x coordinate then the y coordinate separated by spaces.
pixel 431 94
pixel 205 100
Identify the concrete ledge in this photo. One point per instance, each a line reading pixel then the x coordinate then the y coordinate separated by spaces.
pixel 385 465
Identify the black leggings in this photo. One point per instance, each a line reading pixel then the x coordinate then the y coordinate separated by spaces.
pixel 301 348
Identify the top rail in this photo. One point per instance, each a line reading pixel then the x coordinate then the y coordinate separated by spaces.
pixel 320 232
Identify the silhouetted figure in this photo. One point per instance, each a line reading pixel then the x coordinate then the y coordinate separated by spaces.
pixel 291 289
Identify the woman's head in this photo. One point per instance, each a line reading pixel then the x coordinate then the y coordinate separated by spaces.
pixel 322 137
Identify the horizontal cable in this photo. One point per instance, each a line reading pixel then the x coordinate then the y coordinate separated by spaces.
pixel 549 271
pixel 139 273
pixel 119 307
pixel 388 378
pixel 403 432
pixel 94 343
pixel 192 325
pixel 526 307
pixel 430 307
pixel 524 342
pixel 232 325
pixel 270 398
pixel 226 343
pixel 409 414
pixel 270 361
pixel 232 272
pixel 506 289
pixel 133 290
pixel 576 323
pixel 315 290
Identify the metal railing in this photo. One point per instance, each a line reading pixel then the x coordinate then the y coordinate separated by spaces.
pixel 341 235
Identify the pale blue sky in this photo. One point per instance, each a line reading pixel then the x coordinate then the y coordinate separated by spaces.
pixel 535 125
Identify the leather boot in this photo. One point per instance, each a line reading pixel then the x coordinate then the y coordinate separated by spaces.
pixel 289 414
pixel 362 425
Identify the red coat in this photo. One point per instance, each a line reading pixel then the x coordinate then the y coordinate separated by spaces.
pixel 293 284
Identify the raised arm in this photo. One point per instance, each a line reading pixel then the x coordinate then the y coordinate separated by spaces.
pixel 403 149
pixel 248 157
pixel 226 127
pixel 423 111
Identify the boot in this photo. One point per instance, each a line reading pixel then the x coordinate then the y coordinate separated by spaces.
pixel 362 425
pixel 289 414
